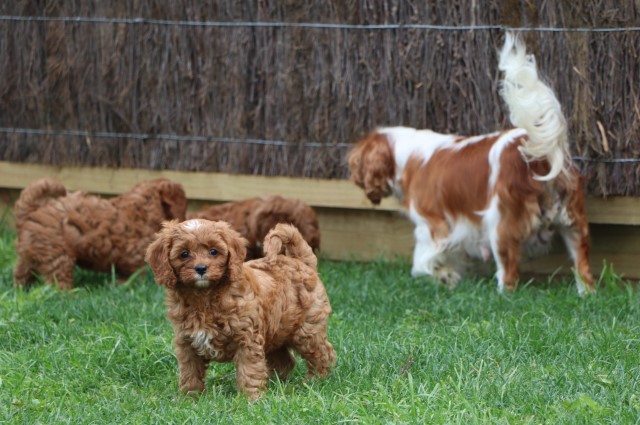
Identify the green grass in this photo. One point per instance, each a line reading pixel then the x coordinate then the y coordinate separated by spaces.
pixel 408 352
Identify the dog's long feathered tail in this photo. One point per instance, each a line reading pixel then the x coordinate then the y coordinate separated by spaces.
pixel 36 195
pixel 533 106
pixel 286 239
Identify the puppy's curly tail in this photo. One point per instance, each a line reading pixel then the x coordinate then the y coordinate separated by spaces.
pixel 533 106
pixel 286 239
pixel 36 195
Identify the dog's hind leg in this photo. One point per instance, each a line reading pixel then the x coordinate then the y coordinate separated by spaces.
pixel 310 341
pixel 59 270
pixel 22 274
pixel 506 253
pixel 576 240
pixel 506 230
pixel 574 229
pixel 280 362
pixel 53 268
pixel 429 254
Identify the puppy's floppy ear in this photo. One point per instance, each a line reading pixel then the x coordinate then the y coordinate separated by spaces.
pixel 157 256
pixel 237 246
pixel 173 199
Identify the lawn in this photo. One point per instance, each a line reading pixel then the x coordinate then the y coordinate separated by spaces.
pixel 408 352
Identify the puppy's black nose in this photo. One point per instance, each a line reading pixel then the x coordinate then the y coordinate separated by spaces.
pixel 201 269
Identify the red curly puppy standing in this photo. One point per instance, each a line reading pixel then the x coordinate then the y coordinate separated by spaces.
pixel 223 309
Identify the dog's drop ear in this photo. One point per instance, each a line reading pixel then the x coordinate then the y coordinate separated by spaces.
pixel 157 256
pixel 237 246
pixel 173 200
pixel 354 160
pixel 371 162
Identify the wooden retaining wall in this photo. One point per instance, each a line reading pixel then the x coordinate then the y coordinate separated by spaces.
pixel 351 228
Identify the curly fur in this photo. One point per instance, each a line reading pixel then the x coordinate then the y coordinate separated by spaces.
pixel 252 313
pixel 254 217
pixel 58 230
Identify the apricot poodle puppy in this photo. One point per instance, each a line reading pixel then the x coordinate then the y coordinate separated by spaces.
pixel 57 230
pixel 251 313
pixel 254 217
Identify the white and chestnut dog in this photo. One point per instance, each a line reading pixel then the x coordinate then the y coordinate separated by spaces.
pixel 251 313
pixel 493 194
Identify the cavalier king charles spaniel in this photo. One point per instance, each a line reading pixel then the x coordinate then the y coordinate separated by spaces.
pixel 57 230
pixel 251 313
pixel 498 194
pixel 254 217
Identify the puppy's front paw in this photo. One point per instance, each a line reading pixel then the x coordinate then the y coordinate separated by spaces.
pixel 193 389
pixel 191 393
pixel 254 396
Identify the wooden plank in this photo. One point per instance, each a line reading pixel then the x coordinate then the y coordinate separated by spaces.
pixel 615 245
pixel 364 234
pixel 203 186
pixel 613 210
pixel 228 187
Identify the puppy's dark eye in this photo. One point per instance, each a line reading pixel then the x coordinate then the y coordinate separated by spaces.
pixel 213 252
pixel 184 254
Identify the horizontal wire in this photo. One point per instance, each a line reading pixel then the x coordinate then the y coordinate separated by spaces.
pixel 169 137
pixel 229 140
pixel 605 160
pixel 309 25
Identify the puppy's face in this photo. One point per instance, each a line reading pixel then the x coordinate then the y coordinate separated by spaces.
pixel 200 256
pixel 196 253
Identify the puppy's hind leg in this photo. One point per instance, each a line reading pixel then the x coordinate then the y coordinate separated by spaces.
pixel 59 270
pixel 22 274
pixel 54 268
pixel 280 362
pixel 311 342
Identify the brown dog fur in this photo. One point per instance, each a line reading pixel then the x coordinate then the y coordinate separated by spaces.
pixel 254 217
pixel 57 230
pixel 252 313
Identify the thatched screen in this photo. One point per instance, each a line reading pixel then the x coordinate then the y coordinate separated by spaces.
pixel 288 100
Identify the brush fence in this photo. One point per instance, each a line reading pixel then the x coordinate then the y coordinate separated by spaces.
pixel 281 88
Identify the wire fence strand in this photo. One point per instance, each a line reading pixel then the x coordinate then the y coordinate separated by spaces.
pixel 309 25
pixel 230 140
pixel 168 137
